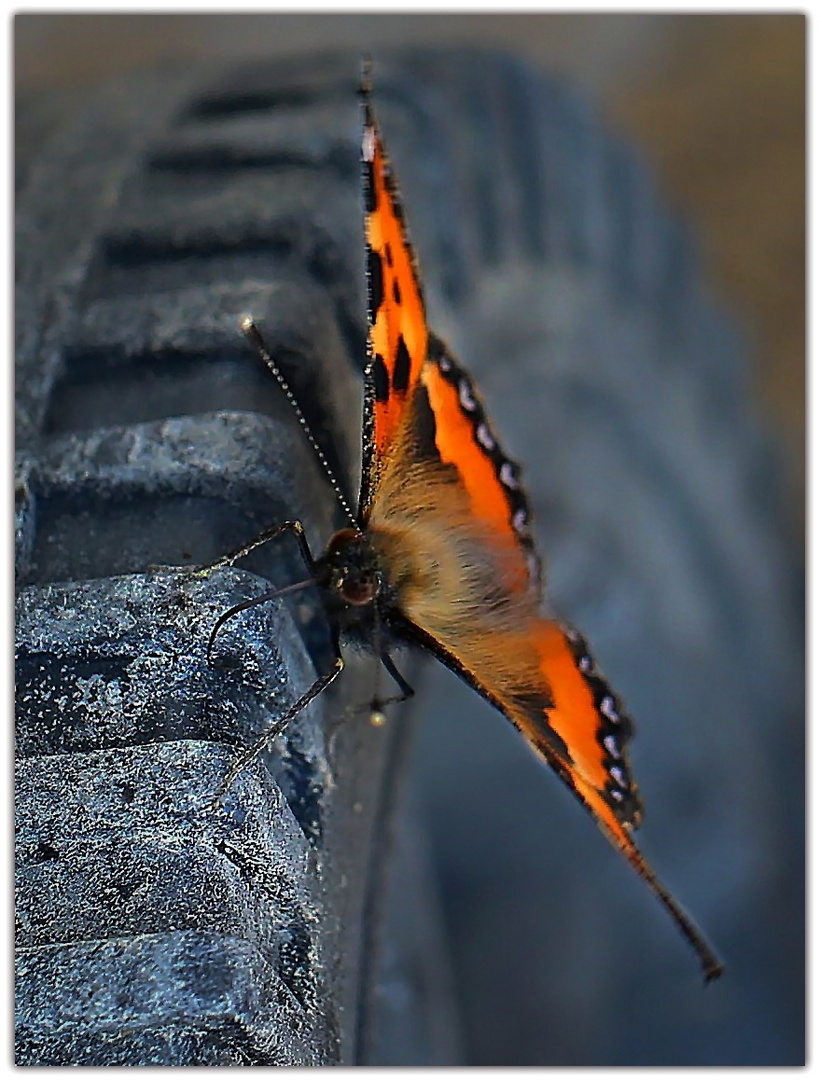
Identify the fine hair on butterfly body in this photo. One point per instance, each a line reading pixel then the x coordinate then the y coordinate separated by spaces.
pixel 439 553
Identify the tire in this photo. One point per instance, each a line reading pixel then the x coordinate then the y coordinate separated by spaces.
pixel 152 930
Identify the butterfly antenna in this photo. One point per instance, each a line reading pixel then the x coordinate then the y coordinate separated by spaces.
pixel 253 335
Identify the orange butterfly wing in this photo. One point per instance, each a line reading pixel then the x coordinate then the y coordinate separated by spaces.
pixel 589 720
pixel 573 720
pixel 464 439
pixel 435 476
pixel 397 338
pixel 403 354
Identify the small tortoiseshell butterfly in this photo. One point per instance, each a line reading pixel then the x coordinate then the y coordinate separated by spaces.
pixel 440 552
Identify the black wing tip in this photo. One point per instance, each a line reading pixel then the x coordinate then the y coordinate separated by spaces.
pixel 712 969
pixel 365 90
pixel 365 82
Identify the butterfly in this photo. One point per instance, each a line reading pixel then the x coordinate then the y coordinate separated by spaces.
pixel 440 552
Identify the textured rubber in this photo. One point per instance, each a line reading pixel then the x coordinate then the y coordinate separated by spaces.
pixel 152 930
pixel 150 216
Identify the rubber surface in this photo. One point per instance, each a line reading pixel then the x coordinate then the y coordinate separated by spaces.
pixel 152 931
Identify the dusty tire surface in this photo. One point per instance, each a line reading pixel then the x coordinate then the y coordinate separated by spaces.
pixel 152 930
pixel 151 214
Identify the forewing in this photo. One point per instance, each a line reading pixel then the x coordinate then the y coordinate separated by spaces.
pixel 410 371
pixel 397 326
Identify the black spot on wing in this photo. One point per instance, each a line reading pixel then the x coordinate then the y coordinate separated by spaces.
pixel 370 194
pixel 388 253
pixel 537 705
pixel 375 276
pixel 401 375
pixel 395 199
pixel 396 291
pixel 423 425
pixel 381 379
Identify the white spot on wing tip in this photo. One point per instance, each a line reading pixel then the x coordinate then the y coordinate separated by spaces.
pixel 610 743
pixel 484 436
pixel 507 476
pixel 465 397
pixel 608 710
pixel 520 522
pixel 368 144
pixel 617 775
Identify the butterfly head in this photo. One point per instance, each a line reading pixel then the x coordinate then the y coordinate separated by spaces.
pixel 349 570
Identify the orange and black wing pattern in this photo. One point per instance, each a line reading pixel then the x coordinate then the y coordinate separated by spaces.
pixel 445 511
pixel 397 326
pixel 408 363
pixel 463 439
pixel 546 682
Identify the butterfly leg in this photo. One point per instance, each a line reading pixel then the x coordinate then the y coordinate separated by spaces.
pixel 249 755
pixel 399 680
pixel 294 527
pixel 377 704
pixel 274 594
